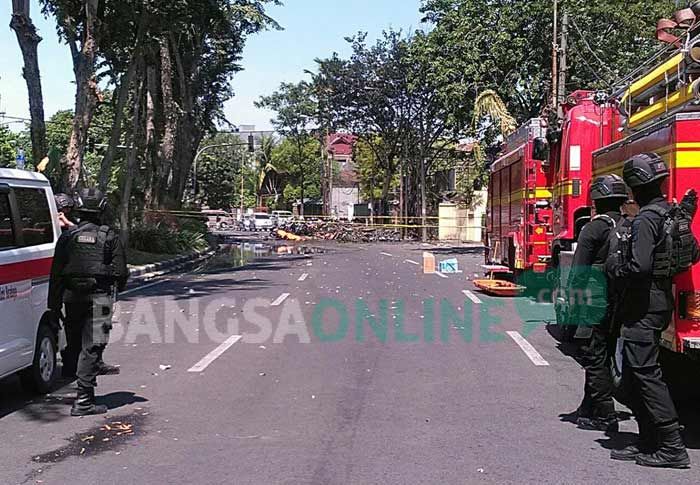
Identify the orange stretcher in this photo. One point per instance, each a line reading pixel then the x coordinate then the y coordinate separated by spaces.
pixel 496 286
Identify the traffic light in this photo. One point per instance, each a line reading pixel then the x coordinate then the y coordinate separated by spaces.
pixel 251 143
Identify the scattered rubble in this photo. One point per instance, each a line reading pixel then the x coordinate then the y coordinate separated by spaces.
pixel 337 231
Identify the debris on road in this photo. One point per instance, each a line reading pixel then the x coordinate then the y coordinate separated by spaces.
pixel 109 436
pixel 165 366
pixel 337 231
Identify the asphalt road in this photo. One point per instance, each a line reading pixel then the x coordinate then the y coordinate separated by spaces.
pixel 253 369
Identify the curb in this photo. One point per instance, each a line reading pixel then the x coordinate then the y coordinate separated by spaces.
pixel 169 265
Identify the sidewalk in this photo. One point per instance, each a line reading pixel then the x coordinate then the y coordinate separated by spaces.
pixel 163 267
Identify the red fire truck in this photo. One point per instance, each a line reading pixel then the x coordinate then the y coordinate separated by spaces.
pixel 662 115
pixel 519 213
pixel 588 124
pixel 658 110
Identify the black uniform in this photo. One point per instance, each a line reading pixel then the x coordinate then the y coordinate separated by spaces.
pixel 588 274
pixel 645 311
pixel 89 265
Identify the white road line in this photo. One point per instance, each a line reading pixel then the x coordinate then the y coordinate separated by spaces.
pixel 143 287
pixel 303 277
pixel 410 261
pixel 214 354
pixel 387 254
pixel 280 299
pixel 529 350
pixel 441 275
pixel 472 297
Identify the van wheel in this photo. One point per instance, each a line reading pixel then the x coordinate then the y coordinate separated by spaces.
pixel 41 376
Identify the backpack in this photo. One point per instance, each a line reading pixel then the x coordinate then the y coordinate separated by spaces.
pixel 673 254
pixel 618 247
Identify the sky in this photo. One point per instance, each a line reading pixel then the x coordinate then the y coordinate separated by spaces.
pixel 312 28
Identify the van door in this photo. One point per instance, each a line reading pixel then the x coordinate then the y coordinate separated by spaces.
pixel 15 288
pixel 37 224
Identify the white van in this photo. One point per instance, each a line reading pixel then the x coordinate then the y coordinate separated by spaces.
pixel 283 217
pixel 219 220
pixel 28 234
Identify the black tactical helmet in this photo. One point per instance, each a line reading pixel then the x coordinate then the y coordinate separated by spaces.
pixel 91 200
pixel 609 187
pixel 644 169
pixel 64 201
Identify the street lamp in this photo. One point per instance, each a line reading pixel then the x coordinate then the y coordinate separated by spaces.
pixel 251 148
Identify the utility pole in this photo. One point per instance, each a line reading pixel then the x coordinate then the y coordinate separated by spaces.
pixel 555 56
pixel 564 44
pixel 330 184
pixel 242 204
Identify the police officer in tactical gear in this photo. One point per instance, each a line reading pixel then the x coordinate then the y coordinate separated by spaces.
pixel 644 312
pixel 89 268
pixel 65 205
pixel 589 296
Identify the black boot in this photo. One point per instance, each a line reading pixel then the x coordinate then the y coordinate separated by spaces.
pixel 107 370
pixel 646 443
pixel 603 418
pixel 671 452
pixel 84 404
pixel 608 424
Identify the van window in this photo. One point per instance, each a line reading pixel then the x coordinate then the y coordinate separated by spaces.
pixel 7 235
pixel 35 216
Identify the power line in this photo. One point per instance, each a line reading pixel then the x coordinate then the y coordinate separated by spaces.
pixel 593 53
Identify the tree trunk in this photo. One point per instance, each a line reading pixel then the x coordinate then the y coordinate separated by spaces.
pixel 151 155
pixel 171 117
pixel 115 137
pixel 28 41
pixel 189 136
pixel 300 164
pixel 131 166
pixel 122 98
pixel 423 201
pixel 86 97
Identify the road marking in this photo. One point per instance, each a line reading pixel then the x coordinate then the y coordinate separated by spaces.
pixel 440 274
pixel 472 297
pixel 280 299
pixel 303 277
pixel 214 354
pixel 387 254
pixel 411 262
pixel 529 350
pixel 143 287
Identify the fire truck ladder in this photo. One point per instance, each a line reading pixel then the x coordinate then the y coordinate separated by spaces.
pixel 670 87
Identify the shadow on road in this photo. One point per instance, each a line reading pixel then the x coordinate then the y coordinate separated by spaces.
pixel 54 406
pixel 48 408
pixel 116 400
pixel 682 376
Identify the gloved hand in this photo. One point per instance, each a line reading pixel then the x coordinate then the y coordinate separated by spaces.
pixel 690 202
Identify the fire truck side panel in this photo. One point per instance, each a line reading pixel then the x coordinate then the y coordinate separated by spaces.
pixel 586 128
pixel 520 227
pixel 678 142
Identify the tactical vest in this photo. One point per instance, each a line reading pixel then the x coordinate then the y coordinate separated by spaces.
pixel 89 266
pixel 673 253
pixel 605 250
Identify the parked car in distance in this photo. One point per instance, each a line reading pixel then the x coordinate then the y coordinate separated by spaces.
pixel 29 230
pixel 219 219
pixel 283 217
pixel 262 221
